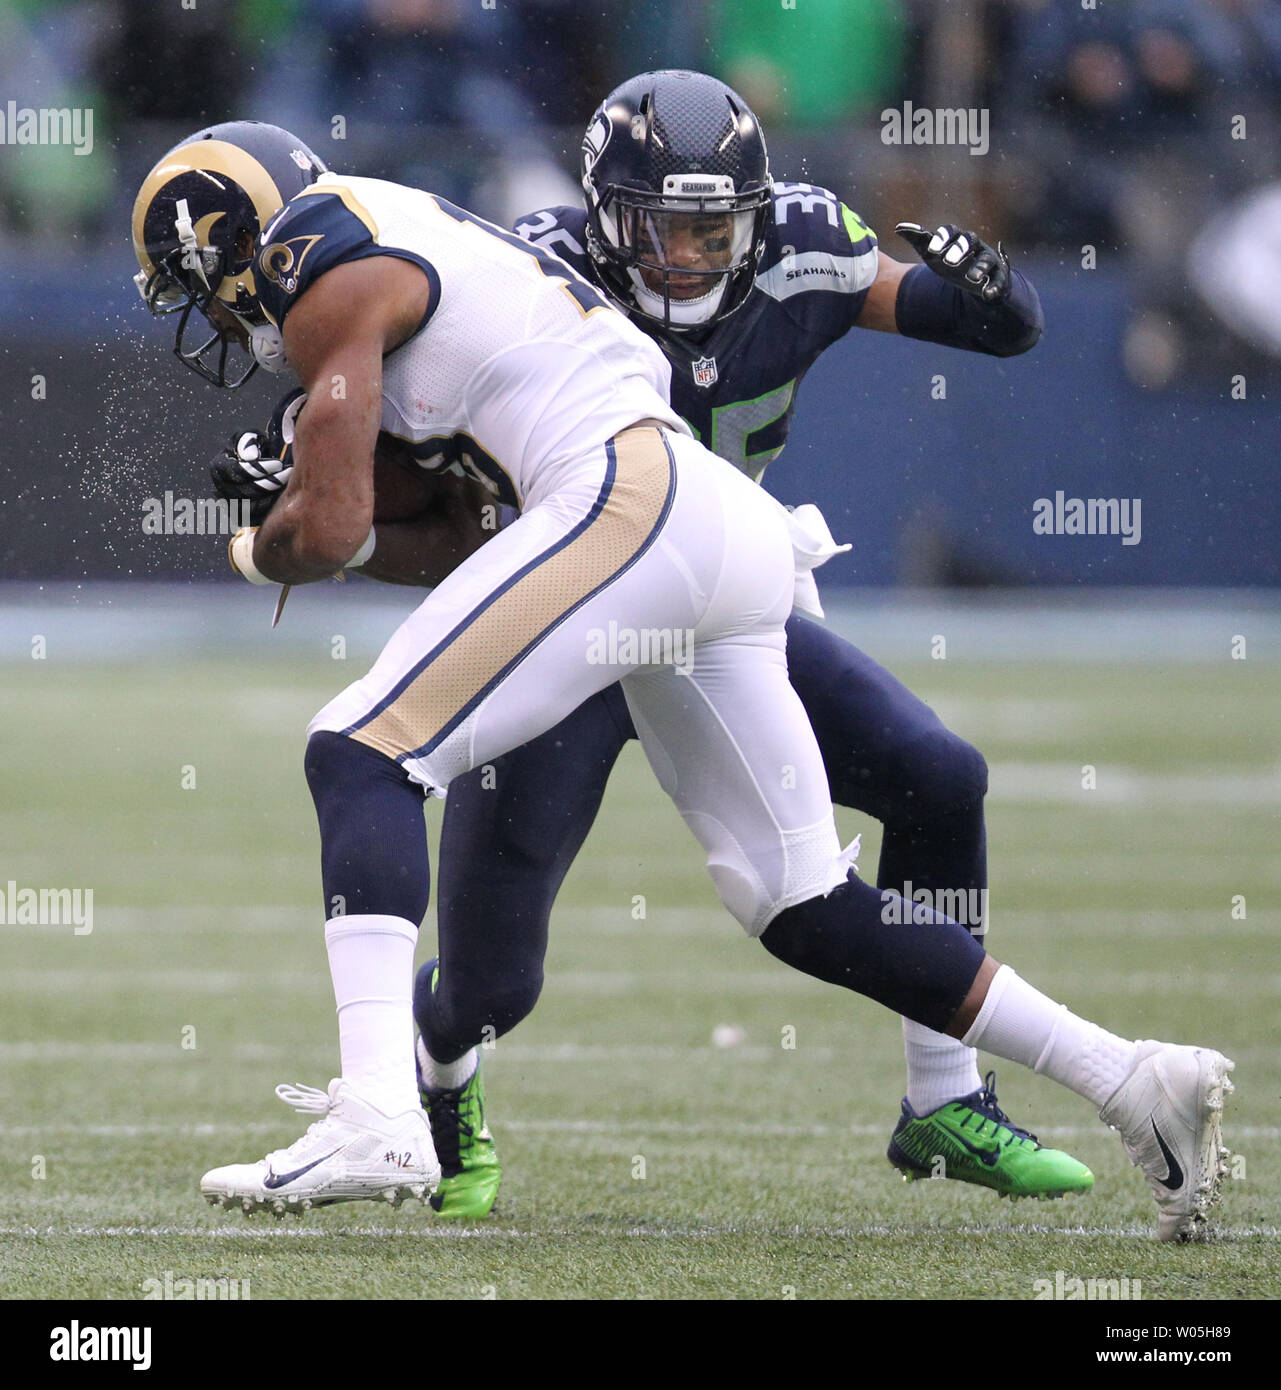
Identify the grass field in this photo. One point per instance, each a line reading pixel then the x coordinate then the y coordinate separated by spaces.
pixel 139 1055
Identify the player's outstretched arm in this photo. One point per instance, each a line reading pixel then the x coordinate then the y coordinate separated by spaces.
pixel 335 338
pixel 964 295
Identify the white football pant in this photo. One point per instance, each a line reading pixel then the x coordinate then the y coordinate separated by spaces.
pixel 653 562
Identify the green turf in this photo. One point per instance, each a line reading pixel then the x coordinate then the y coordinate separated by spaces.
pixel 763 1164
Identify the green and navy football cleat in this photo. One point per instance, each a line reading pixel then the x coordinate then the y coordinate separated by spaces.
pixel 973 1140
pixel 469 1167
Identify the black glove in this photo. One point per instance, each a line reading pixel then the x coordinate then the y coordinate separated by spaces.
pixel 962 259
pixel 256 464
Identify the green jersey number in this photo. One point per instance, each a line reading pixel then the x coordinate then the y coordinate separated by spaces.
pixel 732 424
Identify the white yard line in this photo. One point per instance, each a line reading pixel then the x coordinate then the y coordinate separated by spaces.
pixel 1226 984
pixel 1117 785
pixel 290 1055
pixel 123 919
pixel 677 1128
pixel 437 1231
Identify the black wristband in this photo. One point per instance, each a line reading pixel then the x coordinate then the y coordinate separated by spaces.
pixel 930 309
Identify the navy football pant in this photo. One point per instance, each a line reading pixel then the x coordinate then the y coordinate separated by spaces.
pixel 506 846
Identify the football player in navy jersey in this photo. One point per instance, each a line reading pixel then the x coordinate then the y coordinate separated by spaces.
pixel 742 282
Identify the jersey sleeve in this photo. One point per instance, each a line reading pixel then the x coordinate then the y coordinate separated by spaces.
pixel 820 258
pixel 319 229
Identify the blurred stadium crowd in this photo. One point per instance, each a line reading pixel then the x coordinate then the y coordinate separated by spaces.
pixel 1130 165
pixel 1110 127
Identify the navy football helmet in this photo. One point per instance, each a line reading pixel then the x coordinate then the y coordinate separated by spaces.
pixel 196 222
pixel 678 191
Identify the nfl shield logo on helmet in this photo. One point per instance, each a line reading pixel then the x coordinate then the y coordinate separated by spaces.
pixel 705 371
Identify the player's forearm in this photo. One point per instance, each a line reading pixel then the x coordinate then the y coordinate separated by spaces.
pixel 933 311
pixel 324 516
pixel 291 548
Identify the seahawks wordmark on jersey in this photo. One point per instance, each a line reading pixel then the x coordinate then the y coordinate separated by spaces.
pixel 736 385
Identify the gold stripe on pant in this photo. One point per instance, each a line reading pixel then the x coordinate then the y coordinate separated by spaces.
pixel 505 628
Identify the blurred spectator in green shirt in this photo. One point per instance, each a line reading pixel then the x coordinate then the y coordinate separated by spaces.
pixel 823 61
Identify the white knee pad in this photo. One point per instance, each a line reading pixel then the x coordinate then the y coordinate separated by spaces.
pixel 758 882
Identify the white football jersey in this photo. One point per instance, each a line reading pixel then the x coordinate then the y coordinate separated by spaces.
pixel 521 367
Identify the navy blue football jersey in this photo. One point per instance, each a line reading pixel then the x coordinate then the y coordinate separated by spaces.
pixel 736 385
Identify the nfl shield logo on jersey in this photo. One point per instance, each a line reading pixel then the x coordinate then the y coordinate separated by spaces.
pixel 705 371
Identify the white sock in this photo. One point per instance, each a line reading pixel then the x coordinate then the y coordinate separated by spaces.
pixel 1022 1024
pixel 371 962
pixel 446 1076
pixel 939 1069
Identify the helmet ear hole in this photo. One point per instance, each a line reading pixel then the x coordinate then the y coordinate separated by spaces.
pixel 244 246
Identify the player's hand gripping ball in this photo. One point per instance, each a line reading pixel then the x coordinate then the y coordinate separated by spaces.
pixel 962 259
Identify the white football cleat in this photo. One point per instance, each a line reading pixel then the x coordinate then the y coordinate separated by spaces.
pixel 353 1152
pixel 1168 1111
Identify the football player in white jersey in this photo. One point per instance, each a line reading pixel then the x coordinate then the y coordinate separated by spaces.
pixel 637 557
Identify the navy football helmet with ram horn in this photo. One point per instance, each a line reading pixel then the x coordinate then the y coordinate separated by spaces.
pixel 196 222
pixel 677 185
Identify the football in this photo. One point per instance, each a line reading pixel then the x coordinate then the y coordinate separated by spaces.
pixel 402 491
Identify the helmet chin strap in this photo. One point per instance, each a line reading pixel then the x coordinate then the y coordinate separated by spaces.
pixel 186 233
pixel 268 347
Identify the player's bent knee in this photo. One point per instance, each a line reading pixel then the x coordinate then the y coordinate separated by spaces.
pixel 937 774
pixel 332 761
pixel 463 1014
pixel 969 770
pixel 757 883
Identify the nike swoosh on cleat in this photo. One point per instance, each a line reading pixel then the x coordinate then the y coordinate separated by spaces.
pixel 985 1156
pixel 1174 1174
pixel 274 1180
pixel 988 1157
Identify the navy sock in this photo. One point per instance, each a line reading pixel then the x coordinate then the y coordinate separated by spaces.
pixel 921 966
pixel 373 840
pixel 946 856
